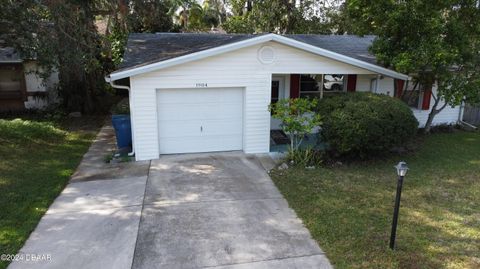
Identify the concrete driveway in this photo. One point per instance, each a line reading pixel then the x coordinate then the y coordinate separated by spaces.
pixel 187 211
pixel 219 210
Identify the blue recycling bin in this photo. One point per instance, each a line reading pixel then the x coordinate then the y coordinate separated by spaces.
pixel 123 130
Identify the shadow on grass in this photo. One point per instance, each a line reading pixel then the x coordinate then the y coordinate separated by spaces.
pixel 39 160
pixel 348 209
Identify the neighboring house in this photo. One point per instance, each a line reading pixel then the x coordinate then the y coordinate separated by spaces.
pixel 211 92
pixel 20 86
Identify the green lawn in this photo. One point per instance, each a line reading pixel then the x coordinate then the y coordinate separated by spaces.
pixel 348 208
pixel 37 159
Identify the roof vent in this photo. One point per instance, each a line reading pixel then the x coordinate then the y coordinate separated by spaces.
pixel 266 55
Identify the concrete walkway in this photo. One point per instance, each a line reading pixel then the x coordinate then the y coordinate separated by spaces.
pixel 94 221
pixel 182 211
pixel 94 167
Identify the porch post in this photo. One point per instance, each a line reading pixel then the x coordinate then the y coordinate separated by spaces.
pixel 321 87
pixel 376 83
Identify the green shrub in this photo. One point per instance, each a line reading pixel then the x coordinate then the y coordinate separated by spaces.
pixel 298 118
pixel 361 124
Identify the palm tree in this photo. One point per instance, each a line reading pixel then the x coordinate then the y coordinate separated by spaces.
pixel 183 7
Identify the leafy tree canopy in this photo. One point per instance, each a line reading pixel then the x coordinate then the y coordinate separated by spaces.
pixel 435 41
pixel 282 16
pixel 60 35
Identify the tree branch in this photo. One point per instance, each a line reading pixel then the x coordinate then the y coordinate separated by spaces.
pixel 434 97
pixel 441 108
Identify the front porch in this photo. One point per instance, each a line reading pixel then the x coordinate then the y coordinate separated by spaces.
pixel 319 86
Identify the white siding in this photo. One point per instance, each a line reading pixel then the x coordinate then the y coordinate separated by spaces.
pixel 239 68
pixel 364 84
pixel 144 119
pixel 386 86
pixel 448 114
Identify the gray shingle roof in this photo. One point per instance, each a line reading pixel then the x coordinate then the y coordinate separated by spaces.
pixel 348 45
pixel 143 49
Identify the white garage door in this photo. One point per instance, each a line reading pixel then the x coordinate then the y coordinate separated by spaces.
pixel 200 120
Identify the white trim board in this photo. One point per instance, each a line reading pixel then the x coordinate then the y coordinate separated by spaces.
pixel 250 42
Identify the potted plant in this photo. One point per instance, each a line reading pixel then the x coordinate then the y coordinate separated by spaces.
pixel 121 123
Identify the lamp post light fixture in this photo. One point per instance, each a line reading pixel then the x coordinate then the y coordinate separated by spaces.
pixel 402 169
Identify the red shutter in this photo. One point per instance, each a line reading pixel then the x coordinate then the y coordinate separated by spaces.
pixel 294 86
pixel 427 95
pixel 399 84
pixel 351 83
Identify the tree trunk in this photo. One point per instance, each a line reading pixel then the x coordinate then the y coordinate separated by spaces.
pixel 123 11
pixel 290 6
pixel 433 112
pixel 428 124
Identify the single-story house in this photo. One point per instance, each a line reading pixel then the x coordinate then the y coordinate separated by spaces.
pixel 21 87
pixel 210 92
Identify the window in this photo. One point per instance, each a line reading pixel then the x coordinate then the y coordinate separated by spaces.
pixel 412 95
pixel 309 85
pixel 334 83
pixel 317 85
pixel 11 81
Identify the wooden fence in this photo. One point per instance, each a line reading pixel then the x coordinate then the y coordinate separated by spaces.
pixel 471 114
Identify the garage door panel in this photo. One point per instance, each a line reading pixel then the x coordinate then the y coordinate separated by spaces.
pixel 200 120
pixel 207 144
pixel 200 111
pixel 205 128
pixel 195 96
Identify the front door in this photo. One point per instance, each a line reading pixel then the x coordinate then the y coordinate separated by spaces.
pixel 277 93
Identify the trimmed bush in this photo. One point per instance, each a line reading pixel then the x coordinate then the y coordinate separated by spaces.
pixel 361 124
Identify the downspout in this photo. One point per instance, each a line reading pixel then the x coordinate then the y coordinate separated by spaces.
pixel 123 87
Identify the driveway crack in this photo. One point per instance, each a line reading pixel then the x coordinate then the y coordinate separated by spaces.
pixel 266 260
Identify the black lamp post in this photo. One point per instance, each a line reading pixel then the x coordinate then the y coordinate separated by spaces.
pixel 401 172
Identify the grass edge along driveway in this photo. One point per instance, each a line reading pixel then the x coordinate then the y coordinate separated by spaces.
pixel 37 159
pixel 348 208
